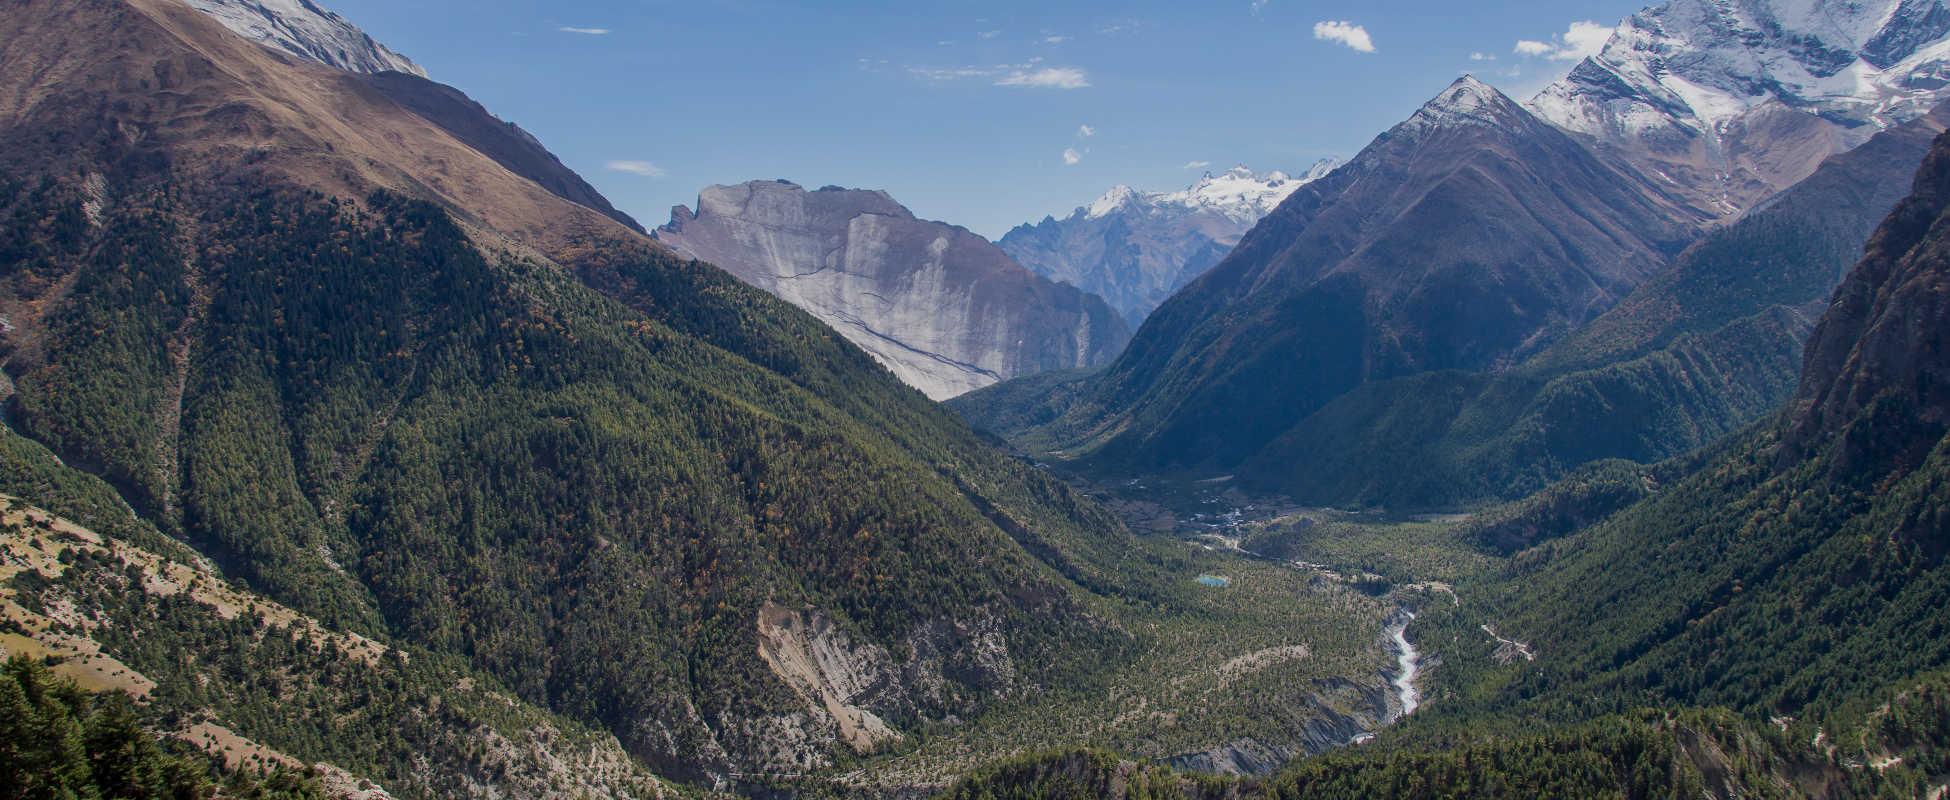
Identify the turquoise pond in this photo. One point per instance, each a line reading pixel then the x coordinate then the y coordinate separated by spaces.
pixel 1215 581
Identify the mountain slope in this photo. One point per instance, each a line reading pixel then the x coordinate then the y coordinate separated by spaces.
pixel 1805 563
pixel 1135 248
pixel 1737 101
pixel 1699 351
pixel 544 447
pixel 941 307
pixel 1465 238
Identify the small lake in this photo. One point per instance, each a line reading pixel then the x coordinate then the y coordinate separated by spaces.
pixel 1215 581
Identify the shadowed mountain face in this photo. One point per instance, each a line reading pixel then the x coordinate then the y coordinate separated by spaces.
pixel 942 307
pixel 1466 238
pixel 1701 350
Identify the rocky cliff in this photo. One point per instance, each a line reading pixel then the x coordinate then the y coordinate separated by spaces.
pixel 942 307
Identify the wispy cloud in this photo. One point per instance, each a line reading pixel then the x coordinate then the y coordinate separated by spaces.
pixel 585 31
pixel 1055 39
pixel 1197 164
pixel 1029 75
pixel 989 34
pixel 1481 57
pixel 951 74
pixel 1258 4
pixel 643 168
pixel 1583 39
pixel 1346 33
pixel 1071 156
pixel 1085 132
pixel 1046 78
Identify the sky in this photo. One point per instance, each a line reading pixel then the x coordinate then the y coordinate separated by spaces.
pixel 982 114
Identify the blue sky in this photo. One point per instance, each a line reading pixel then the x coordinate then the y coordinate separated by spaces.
pixel 965 111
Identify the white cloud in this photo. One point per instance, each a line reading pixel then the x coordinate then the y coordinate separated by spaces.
pixel 584 31
pixel 643 168
pixel 1581 40
pixel 1258 4
pixel 989 34
pixel 1071 156
pixel 1197 164
pixel 1055 39
pixel 1086 131
pixel 1346 33
pixel 1481 57
pixel 1046 78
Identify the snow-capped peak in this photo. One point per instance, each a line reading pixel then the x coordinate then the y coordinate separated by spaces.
pixel 1466 100
pixel 1238 194
pixel 1697 65
pixel 1112 200
pixel 303 29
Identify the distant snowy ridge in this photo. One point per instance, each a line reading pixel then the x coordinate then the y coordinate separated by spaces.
pixel 1238 194
pixel 305 30
pixel 1134 248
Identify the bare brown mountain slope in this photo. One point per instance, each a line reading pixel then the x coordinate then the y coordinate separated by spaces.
pixel 171 79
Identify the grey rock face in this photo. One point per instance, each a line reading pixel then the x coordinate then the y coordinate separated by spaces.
pixel 303 29
pixel 1135 248
pixel 943 308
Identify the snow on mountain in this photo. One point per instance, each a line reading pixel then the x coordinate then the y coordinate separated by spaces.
pixel 1134 248
pixel 303 29
pixel 1745 97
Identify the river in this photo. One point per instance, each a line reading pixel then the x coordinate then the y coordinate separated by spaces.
pixel 1410 662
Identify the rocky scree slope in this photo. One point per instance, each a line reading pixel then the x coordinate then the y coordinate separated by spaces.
pixel 943 308
pixel 1135 248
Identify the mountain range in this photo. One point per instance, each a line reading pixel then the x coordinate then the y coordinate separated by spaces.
pixel 352 446
pixel 1135 248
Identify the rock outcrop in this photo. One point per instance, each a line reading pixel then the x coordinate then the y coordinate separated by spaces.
pixel 941 307
pixel 1876 376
